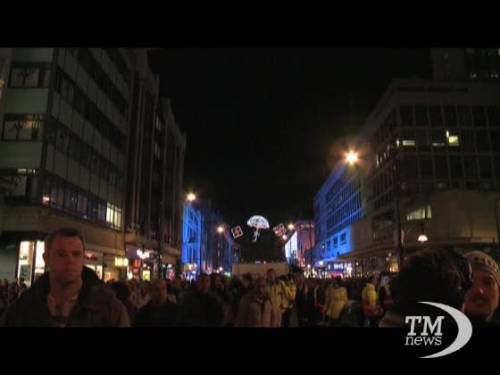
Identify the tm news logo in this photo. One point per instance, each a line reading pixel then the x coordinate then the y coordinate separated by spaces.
pixel 431 334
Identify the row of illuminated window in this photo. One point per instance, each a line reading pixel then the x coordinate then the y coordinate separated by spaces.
pixel 483 63
pixel 29 75
pixel 24 183
pixel 68 89
pixel 61 195
pixel 425 140
pixel 340 216
pixel 328 248
pixel 353 218
pixel 67 142
pixel 442 166
pixel 413 188
pixel 450 115
pixel 101 78
pixel 421 213
pixel 341 190
pixel 479 140
pixel 22 127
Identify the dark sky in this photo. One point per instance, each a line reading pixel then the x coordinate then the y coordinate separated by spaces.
pixel 260 121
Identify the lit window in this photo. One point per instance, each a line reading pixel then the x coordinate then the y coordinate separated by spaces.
pixel 409 143
pixel 420 214
pixel 453 141
pixel 113 216
pixel 438 144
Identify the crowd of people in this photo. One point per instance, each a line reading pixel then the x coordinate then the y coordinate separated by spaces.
pixel 9 292
pixel 72 295
pixel 254 301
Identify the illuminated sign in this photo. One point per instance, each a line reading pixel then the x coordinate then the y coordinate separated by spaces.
pixel 121 262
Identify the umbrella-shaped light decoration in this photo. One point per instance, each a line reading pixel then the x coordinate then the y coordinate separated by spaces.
pixel 259 223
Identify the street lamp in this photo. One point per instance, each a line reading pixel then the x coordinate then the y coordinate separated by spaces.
pixel 220 229
pixel 352 157
pixel 422 238
pixel 191 197
pixel 291 226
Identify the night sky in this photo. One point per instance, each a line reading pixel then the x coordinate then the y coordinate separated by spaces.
pixel 260 122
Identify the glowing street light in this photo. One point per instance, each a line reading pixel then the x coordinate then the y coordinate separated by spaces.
pixel 422 238
pixel 191 197
pixel 220 229
pixel 351 157
pixel 291 226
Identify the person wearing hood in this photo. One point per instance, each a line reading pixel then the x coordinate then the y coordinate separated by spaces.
pixel 69 294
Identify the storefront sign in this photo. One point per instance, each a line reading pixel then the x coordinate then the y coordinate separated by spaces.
pixel 121 262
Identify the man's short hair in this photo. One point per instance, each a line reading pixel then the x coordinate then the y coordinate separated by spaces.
pixel 63 232
pixel 435 275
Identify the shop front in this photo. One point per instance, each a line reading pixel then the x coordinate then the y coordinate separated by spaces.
pixel 115 268
pixel 142 263
pixel 190 271
pixel 30 262
pixel 22 260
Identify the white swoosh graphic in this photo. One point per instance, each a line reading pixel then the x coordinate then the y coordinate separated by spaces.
pixel 464 330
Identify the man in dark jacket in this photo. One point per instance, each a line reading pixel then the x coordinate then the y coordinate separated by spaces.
pixel 70 295
pixel 159 312
pixel 201 308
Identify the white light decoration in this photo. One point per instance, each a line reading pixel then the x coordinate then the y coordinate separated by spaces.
pixel 259 223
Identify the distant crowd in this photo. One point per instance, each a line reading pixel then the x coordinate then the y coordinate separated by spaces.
pixel 72 295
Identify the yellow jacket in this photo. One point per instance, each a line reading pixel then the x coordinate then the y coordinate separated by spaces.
pixel 336 302
pixel 289 293
pixel 282 294
pixel 276 294
pixel 369 295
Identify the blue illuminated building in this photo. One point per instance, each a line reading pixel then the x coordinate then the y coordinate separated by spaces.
pixel 337 206
pixel 204 248
pixel 192 235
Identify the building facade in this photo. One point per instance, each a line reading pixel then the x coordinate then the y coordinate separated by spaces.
pixel 299 244
pixel 431 166
pixel 206 248
pixel 66 133
pixel 460 64
pixel 154 184
pixel 193 239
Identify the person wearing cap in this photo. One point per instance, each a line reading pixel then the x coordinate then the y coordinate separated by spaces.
pixel 482 299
